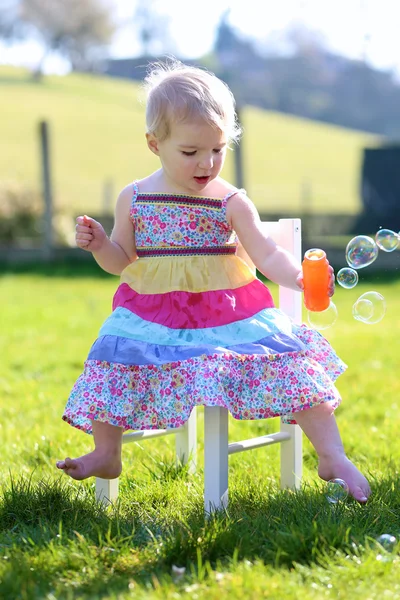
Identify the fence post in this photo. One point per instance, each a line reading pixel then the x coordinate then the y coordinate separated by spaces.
pixel 47 190
pixel 238 158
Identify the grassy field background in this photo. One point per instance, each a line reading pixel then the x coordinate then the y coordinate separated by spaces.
pixel 55 542
pixel 97 135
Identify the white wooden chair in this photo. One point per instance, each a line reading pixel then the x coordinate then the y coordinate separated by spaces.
pixel 287 233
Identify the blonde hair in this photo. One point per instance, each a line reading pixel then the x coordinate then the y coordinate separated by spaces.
pixel 178 92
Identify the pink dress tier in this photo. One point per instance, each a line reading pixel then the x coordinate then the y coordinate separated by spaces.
pixel 192 325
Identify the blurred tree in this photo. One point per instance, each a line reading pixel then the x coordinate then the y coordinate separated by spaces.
pixel 236 61
pixel 77 29
pixel 9 10
pixel 151 25
pixel 297 74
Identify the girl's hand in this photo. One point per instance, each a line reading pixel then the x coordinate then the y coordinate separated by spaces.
pixel 299 281
pixel 90 234
pixel 331 286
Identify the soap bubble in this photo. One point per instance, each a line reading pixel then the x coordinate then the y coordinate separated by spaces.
pixel 177 572
pixel 387 541
pixel 361 251
pixel 384 558
pixel 347 278
pixel 324 318
pixel 336 490
pixel 387 240
pixel 369 308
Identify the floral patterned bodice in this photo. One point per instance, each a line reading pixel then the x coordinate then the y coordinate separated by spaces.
pixel 169 222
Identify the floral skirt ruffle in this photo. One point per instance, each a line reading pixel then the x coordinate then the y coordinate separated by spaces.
pixel 255 385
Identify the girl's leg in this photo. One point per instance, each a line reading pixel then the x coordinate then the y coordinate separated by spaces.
pixel 319 425
pixel 104 461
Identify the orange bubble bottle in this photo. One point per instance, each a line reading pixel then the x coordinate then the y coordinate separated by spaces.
pixel 316 280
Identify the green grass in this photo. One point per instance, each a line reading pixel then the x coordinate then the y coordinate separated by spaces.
pixel 56 542
pixel 97 135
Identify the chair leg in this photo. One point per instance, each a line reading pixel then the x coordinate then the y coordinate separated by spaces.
pixel 106 490
pixel 215 458
pixel 186 443
pixel 291 457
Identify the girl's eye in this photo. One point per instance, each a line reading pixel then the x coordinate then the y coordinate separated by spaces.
pixel 217 150
pixel 189 153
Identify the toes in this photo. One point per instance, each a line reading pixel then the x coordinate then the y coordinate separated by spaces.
pixel 66 465
pixel 359 495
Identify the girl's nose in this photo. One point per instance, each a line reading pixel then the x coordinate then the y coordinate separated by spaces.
pixel 206 162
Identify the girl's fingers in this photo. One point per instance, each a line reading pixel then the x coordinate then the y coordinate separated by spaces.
pixel 82 221
pixel 299 281
pixel 83 243
pixel 84 236
pixel 86 222
pixel 81 229
pixel 331 289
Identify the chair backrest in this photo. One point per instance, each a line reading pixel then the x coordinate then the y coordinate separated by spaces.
pixel 286 233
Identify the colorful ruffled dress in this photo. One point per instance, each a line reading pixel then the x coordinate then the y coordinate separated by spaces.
pixel 192 325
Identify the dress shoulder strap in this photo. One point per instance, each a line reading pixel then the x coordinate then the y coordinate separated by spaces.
pixel 230 194
pixel 135 188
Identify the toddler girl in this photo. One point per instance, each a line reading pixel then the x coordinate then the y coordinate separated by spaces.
pixel 191 324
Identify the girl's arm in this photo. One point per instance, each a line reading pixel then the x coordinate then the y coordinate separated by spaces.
pixel 117 252
pixel 274 262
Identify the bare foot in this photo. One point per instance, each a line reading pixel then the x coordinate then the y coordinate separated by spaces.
pixel 341 467
pixel 93 464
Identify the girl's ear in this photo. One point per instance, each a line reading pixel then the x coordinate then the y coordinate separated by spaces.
pixel 152 143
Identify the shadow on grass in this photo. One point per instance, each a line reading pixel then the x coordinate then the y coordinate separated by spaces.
pixel 39 507
pixel 149 531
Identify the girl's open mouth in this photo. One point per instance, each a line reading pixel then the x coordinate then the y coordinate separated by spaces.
pixel 202 179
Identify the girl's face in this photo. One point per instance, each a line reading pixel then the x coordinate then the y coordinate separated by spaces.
pixel 192 156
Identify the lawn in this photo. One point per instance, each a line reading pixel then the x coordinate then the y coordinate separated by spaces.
pixel 56 543
pixel 97 144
